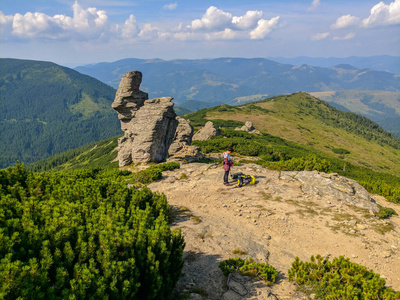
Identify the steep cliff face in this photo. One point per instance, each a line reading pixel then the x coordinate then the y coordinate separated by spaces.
pixel 150 126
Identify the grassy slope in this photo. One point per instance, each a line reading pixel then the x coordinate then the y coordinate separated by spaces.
pixel 306 120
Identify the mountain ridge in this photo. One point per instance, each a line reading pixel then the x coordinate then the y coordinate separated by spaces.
pixel 247 76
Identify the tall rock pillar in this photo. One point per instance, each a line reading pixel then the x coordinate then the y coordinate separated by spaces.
pixel 149 125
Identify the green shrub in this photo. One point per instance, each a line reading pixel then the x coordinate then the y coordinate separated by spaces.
pixel 153 173
pixel 308 163
pixel 339 279
pixel 147 176
pixel 168 166
pixel 340 151
pixel 84 235
pixel 249 267
pixel 385 212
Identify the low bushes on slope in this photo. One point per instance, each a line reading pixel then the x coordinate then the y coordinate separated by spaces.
pixel 83 234
pixel 249 267
pixel 339 279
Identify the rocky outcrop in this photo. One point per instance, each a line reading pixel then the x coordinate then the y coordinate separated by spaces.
pixel 150 126
pixel 332 186
pixel 129 98
pixel 248 127
pixel 183 136
pixel 206 132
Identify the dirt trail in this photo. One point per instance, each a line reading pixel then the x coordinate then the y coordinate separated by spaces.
pixel 273 221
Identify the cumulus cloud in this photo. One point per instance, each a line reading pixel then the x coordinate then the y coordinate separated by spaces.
pixel 149 32
pixel 218 24
pixel 84 23
pixel 345 22
pixel 314 5
pixel 348 36
pixel 383 14
pixel 320 36
pixel 93 24
pixel 213 20
pixel 130 29
pixel 249 20
pixel 264 27
pixel 171 6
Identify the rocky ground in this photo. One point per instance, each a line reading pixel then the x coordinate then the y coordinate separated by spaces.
pixel 284 215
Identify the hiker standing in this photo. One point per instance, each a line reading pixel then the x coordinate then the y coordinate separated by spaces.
pixel 227 163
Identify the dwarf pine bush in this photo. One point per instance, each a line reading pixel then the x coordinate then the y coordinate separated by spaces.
pixel 84 235
pixel 249 267
pixel 339 279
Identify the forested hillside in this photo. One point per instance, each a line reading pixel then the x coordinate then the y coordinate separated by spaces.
pixel 47 109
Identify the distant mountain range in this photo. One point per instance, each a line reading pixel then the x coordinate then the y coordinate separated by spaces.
pixel 47 109
pixel 238 80
pixel 385 63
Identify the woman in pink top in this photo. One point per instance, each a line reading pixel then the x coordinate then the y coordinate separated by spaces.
pixel 227 163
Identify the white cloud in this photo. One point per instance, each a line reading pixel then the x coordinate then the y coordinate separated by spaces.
pixel 348 36
pixel 171 6
pixel 93 24
pixel 249 20
pixel 314 4
pixel 320 36
pixel 217 24
pixel 227 34
pixel 130 29
pixel 89 23
pixel 149 32
pixel 213 20
pixel 264 27
pixel 345 22
pixel 383 14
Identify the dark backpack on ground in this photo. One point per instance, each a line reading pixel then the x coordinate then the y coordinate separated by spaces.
pixel 246 179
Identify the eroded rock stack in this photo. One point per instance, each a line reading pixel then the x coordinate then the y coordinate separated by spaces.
pixel 248 126
pixel 206 132
pixel 150 126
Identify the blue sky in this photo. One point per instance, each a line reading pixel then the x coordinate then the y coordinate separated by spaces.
pixel 78 32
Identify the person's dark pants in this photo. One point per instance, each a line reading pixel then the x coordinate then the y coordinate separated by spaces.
pixel 226 176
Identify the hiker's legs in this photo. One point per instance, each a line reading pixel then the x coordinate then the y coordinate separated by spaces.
pixel 226 176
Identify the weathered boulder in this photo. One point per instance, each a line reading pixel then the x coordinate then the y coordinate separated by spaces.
pixel 154 130
pixel 206 132
pixel 248 127
pixel 188 153
pixel 183 136
pixel 332 186
pixel 150 126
